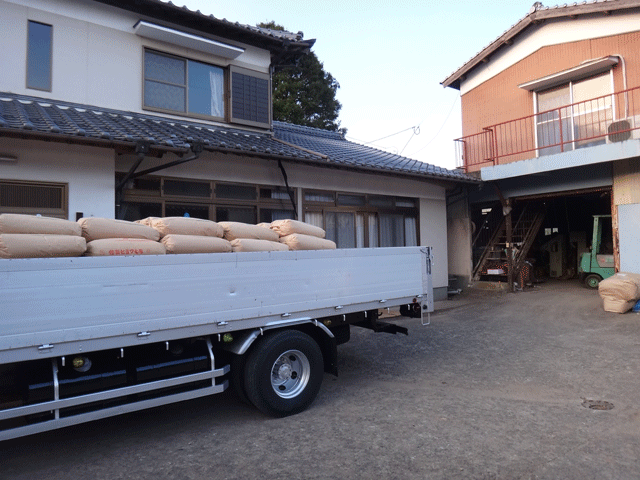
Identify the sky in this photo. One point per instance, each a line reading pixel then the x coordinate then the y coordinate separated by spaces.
pixel 389 57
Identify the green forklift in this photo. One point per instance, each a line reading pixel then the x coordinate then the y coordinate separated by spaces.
pixel 598 264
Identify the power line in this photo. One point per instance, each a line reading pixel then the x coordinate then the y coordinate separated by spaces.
pixel 441 127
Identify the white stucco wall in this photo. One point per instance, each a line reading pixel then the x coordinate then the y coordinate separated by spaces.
pixel 92 45
pixel 87 170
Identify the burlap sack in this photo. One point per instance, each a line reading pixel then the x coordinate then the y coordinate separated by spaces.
pixel 34 245
pixel 264 225
pixel 16 223
pixel 298 241
pixel 233 230
pixel 195 244
pixel 616 305
pixel 146 221
pixel 186 226
pixel 253 245
pixel 109 247
pixel 94 228
pixel 287 227
pixel 621 286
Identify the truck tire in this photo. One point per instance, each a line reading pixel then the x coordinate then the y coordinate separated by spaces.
pixel 592 281
pixel 283 373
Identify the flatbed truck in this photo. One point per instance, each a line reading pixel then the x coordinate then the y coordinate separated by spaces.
pixel 85 338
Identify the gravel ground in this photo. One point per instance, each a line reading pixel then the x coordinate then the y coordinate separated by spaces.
pixel 498 387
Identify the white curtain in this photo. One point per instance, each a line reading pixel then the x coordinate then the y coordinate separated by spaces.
pixel 391 231
pixel 216 82
pixel 360 230
pixel 373 230
pixel 410 234
pixel 314 218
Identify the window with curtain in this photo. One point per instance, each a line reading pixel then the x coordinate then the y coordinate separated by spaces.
pixel 572 116
pixel 181 85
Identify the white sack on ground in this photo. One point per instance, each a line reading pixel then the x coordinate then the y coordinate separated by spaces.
pixel 253 245
pixel 110 247
pixel 22 245
pixel 298 241
pixel 94 228
pixel 616 305
pixel 195 244
pixel 186 226
pixel 234 230
pixel 17 223
pixel 622 286
pixel 288 227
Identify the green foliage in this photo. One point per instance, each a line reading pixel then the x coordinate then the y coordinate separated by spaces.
pixel 305 94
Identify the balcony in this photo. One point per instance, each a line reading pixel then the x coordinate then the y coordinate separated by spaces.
pixel 606 119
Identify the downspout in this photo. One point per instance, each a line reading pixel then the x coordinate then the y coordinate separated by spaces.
pixel 289 191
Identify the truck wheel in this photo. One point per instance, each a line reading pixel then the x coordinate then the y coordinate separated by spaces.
pixel 592 281
pixel 283 373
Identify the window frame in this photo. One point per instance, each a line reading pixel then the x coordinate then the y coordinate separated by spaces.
pixel 367 210
pixel 185 112
pixel 50 60
pixel 574 112
pixel 62 212
pixel 212 202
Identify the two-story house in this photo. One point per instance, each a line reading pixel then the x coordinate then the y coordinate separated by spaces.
pixel 136 109
pixel 551 124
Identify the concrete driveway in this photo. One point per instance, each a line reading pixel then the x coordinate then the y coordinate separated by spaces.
pixel 498 387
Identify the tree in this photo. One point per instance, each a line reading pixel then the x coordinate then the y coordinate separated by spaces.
pixel 305 94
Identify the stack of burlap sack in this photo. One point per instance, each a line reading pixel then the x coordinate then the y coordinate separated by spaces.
pixel 188 235
pixel 245 237
pixel 620 292
pixel 30 236
pixel 301 236
pixel 25 236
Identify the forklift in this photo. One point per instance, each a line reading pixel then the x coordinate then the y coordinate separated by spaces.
pixel 598 264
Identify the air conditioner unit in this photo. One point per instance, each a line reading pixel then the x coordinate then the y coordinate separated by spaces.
pixel 619 131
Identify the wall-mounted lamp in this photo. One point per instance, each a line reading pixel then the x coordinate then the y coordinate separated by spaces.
pixel 8 158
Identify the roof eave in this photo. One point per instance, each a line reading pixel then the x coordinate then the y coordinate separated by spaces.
pixel 195 20
pixel 534 18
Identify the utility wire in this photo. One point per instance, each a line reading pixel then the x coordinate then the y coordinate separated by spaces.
pixel 441 127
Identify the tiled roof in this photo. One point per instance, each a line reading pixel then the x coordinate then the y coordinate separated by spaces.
pixel 182 15
pixel 32 117
pixel 343 152
pixel 536 15
pixel 20 115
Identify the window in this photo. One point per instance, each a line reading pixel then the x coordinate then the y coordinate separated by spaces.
pixel 572 115
pixel 181 85
pixel 356 221
pixel 47 199
pixel 169 197
pixel 250 97
pixel 39 42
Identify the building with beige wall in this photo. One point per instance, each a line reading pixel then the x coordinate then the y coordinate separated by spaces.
pixel 551 124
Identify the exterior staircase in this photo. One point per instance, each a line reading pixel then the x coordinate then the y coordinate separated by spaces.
pixel 523 234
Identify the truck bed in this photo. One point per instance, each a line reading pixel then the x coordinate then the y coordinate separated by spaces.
pixel 61 306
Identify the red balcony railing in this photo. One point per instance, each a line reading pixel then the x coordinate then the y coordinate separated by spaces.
pixel 609 118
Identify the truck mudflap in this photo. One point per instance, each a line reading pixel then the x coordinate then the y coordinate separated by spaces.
pixel 61 412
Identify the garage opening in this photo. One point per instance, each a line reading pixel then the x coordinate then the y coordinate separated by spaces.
pixel 549 235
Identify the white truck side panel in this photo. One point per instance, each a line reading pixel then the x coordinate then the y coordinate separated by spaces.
pixel 60 306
